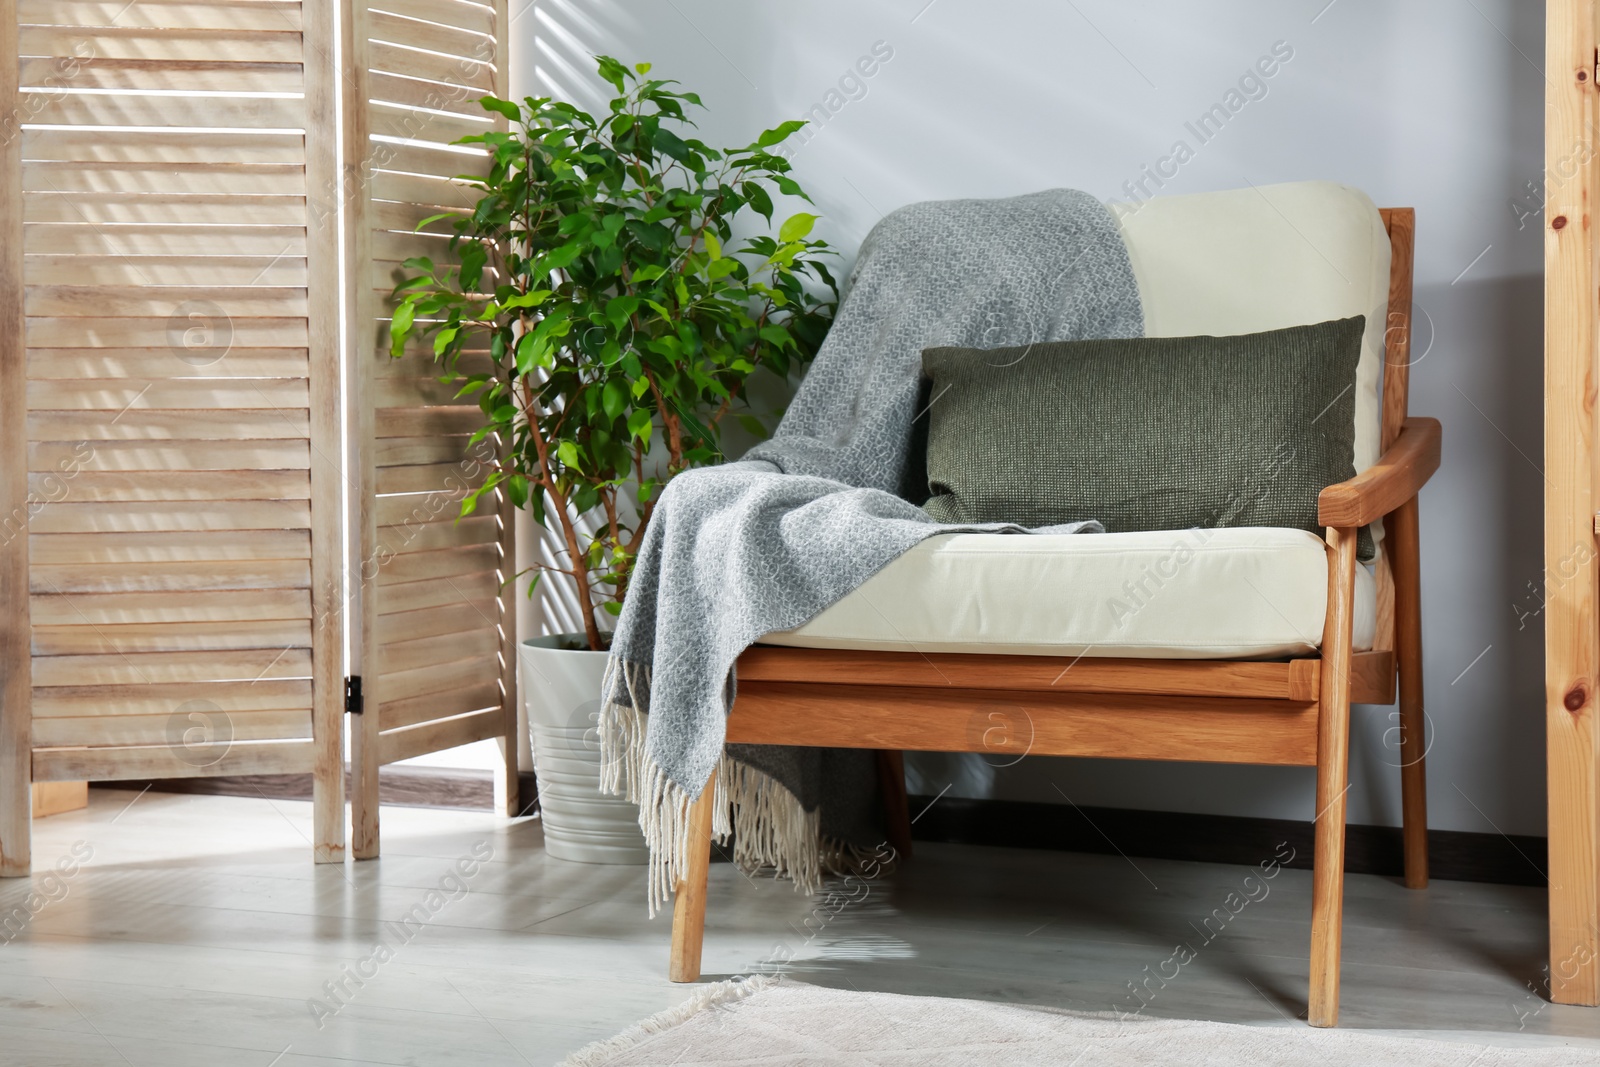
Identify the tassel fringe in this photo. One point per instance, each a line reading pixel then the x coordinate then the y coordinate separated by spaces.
pixel 769 827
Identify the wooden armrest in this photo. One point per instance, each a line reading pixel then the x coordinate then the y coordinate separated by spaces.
pixel 1388 483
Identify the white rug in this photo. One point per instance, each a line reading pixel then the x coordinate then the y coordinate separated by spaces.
pixel 785 1024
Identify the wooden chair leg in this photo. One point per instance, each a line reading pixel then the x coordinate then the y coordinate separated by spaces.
pixel 1404 538
pixel 1333 767
pixel 689 902
pixel 896 809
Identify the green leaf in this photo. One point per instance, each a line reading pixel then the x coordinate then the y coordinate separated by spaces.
pixel 400 327
pixel 639 424
pixel 503 107
pixel 431 219
pixel 778 133
pixel 614 398
pixel 796 227
pixel 613 72
pixel 567 453
pixel 713 246
pixel 642 68
pixel 672 145
pixel 517 490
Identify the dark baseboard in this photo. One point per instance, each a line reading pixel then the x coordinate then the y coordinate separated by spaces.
pixel 1452 854
pixel 415 787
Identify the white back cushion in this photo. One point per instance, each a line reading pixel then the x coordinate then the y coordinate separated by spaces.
pixel 1248 260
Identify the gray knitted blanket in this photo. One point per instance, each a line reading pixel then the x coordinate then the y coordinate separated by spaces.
pixel 765 544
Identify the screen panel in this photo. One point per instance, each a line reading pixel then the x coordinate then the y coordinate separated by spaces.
pixel 181 389
pixel 437 623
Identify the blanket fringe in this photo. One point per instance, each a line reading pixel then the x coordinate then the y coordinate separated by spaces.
pixel 769 827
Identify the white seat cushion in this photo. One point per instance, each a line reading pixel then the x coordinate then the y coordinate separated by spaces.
pixel 1249 260
pixel 1240 261
pixel 1190 594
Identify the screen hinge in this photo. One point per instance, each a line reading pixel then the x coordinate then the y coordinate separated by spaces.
pixel 352 694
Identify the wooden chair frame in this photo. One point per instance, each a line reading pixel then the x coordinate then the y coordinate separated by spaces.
pixel 1287 713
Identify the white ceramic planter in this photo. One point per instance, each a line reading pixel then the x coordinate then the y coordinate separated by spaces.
pixel 562 690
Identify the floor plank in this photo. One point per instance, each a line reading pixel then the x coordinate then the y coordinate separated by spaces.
pixel 170 929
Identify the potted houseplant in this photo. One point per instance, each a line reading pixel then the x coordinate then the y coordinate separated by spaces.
pixel 607 316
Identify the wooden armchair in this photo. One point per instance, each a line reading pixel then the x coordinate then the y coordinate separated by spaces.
pixel 1289 711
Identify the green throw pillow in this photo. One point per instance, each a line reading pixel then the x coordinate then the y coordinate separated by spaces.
pixel 1145 433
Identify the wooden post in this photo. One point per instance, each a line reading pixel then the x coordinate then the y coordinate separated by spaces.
pixel 508 797
pixel 16 683
pixel 327 479
pixel 689 902
pixel 1333 766
pixel 1572 642
pixel 360 598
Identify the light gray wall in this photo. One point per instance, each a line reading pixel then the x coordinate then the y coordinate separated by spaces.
pixel 1435 104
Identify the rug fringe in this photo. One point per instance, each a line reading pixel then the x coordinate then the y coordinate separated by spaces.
pixel 769 827
pixel 712 996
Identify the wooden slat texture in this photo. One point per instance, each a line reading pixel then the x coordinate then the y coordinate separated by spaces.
pixel 224 179
pixel 450 533
pixel 219 665
pixel 103 609
pixel 153 300
pixel 100 209
pixel 117 762
pixel 1572 616
pixel 164 698
pixel 177 485
pixel 183 46
pixel 413 741
pixel 163 332
pixel 169 637
pixel 79 364
pixel 430 36
pixel 137 424
pixel 165 14
pixel 16 825
pixel 136 729
pixel 463 14
pixel 409 711
pixel 116 269
pixel 76 109
pixel 434 623
pixel 167 547
pixel 147 146
pixel 181 401
pixel 119 393
pixel 171 577
pixel 76 238
pixel 166 76
pixel 448 70
pixel 172 455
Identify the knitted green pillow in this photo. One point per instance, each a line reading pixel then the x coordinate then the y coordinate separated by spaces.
pixel 1145 433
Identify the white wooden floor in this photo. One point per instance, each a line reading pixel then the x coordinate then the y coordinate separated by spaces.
pixel 197 931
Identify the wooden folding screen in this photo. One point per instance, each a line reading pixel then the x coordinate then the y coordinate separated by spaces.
pixel 436 657
pixel 1571 589
pixel 177 405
